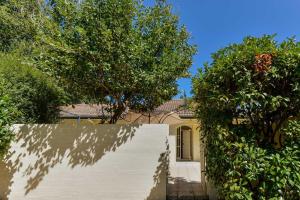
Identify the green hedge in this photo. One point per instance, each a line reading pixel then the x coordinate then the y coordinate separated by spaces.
pixel 241 169
pixel 248 101
pixel 7 112
pixel 34 94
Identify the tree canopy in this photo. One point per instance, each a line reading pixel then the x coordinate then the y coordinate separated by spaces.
pixel 116 52
pixel 18 22
pixel 249 102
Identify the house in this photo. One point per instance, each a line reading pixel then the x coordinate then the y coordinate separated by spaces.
pixel 184 127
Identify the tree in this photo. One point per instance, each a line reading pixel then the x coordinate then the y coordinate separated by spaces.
pixel 18 22
pixel 248 101
pixel 116 52
pixel 26 95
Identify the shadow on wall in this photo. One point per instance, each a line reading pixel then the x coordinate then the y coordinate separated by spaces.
pixel 160 176
pixel 50 144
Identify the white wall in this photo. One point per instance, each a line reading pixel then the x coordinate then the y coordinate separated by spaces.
pixel 101 162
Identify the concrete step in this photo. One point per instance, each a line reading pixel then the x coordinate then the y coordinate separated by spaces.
pixel 187 197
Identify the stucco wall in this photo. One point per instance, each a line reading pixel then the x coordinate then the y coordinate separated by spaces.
pixel 101 162
pixel 195 139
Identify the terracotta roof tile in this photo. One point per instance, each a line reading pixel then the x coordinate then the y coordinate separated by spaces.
pixel 83 111
pixel 170 106
pixel 98 111
pixel 177 106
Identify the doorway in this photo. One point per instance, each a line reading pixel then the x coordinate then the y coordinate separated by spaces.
pixel 184 143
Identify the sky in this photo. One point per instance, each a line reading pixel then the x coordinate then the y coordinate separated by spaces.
pixel 214 24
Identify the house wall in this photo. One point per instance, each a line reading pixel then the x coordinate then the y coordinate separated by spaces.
pixel 172 119
pixel 75 162
pixel 196 154
pixel 195 137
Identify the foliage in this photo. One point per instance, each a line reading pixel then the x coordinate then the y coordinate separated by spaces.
pixel 18 22
pixel 7 112
pixel 35 95
pixel 248 101
pixel 23 90
pixel 117 52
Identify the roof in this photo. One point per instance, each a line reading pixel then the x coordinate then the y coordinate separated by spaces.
pixel 96 111
pixel 186 113
pixel 178 106
pixel 84 111
pixel 170 106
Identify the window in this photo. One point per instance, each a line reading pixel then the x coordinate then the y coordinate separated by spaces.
pixel 178 143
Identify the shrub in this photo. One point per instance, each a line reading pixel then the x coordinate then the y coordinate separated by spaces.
pixel 34 94
pixel 6 117
pixel 248 101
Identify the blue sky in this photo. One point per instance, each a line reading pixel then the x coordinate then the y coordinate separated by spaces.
pixel 214 24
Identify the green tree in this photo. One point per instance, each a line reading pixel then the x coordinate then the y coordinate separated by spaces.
pixel 18 22
pixel 26 95
pixel 116 52
pixel 248 101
